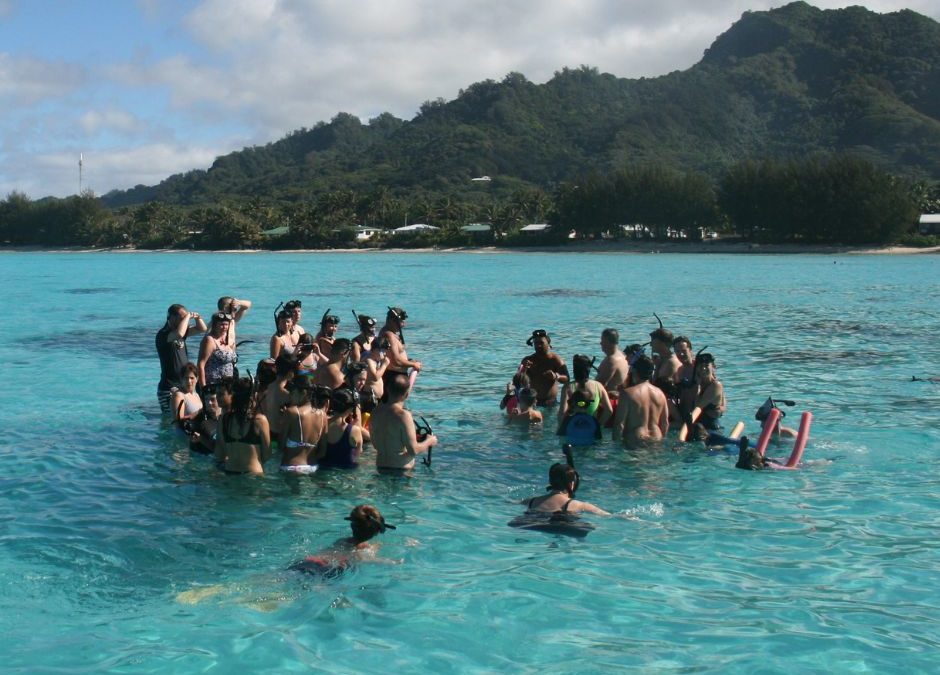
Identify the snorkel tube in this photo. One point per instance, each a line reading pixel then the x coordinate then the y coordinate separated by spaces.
pixel 276 311
pixel 566 449
pixel 422 431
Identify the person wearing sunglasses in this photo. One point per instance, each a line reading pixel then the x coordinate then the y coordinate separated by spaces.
pixel 545 368
pixel 217 356
pixel 362 343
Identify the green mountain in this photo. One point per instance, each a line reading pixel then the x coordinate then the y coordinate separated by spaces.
pixel 783 83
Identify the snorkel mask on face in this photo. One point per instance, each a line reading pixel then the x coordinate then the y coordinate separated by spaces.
pixel 366 323
pixel 536 334
pixel 328 319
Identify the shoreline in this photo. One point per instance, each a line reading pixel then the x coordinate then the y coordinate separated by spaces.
pixel 715 246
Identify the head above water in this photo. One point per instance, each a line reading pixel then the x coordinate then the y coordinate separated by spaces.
pixel 562 477
pixel 366 323
pixel 328 319
pixel 526 397
pixel 540 340
pixel 581 367
pixel 642 369
pixel 366 522
pixel 397 315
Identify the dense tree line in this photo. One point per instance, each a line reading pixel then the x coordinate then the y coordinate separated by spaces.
pixel 835 199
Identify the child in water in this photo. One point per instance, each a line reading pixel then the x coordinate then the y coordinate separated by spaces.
pixel 524 411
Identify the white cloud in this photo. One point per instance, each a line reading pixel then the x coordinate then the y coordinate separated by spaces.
pixel 111 120
pixel 30 80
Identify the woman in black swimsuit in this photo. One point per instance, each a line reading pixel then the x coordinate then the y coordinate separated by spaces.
pixel 244 437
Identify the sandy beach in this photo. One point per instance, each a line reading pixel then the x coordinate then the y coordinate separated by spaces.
pixel 719 246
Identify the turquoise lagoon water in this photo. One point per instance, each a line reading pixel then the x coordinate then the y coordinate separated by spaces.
pixel 105 517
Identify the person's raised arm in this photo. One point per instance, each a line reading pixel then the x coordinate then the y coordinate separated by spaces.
pixel 561 371
pixel 198 327
pixel 240 308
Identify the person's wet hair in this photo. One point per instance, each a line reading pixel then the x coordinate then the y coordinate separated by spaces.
pixel 679 339
pixel 611 335
pixel 538 334
pixel 265 373
pixel 643 368
pixel 174 310
pixel 561 476
pixel 366 521
pixel 305 340
pixel 520 380
pixel 187 370
pixel 397 385
pixel 285 364
pixel 341 346
pixel 526 397
pixel 321 396
pixel 242 396
pixel 396 313
pixel 749 459
pixel 581 367
pixel 343 400
pixel 224 302
pixel 663 335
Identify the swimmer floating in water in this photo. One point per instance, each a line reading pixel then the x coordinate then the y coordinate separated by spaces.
pixel 329 563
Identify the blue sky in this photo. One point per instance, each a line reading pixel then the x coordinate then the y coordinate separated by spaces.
pixel 147 88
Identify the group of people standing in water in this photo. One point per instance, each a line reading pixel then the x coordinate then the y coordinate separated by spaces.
pixel 314 402
pixel 636 396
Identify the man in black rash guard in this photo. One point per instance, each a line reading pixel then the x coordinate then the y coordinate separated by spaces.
pixel 171 348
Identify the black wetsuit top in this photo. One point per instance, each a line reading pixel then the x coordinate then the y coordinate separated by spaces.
pixel 173 356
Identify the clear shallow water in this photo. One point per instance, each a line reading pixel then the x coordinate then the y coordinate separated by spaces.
pixel 105 517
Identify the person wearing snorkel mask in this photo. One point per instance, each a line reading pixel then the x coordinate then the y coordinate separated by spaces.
pixel 295 309
pixel 362 343
pixel 392 333
pixel 666 375
pixel 237 308
pixel 642 417
pixel 583 395
pixel 683 402
pixel 711 395
pixel 327 335
pixel 545 368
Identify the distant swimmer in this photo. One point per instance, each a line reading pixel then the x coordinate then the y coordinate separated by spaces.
pixel 366 523
pixel 171 350
pixel 545 368
pixel 643 415
pixel 563 482
pixel 614 369
pixel 393 429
